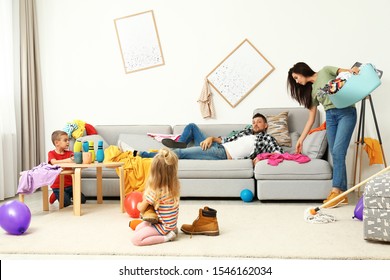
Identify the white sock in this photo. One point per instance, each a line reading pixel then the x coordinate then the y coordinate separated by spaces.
pixel 170 236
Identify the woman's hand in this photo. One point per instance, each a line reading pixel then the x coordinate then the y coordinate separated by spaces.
pixel 355 70
pixel 298 146
pixel 255 161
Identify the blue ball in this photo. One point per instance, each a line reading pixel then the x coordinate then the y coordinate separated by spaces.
pixel 246 195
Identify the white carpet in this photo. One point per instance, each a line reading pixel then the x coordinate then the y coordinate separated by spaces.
pixel 247 230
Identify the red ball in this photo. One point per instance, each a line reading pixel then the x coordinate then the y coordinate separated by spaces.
pixel 131 201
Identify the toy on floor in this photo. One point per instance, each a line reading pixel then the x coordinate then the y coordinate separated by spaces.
pixel 15 217
pixel 358 212
pixel 134 223
pixel 316 216
pixel 130 203
pixel 246 195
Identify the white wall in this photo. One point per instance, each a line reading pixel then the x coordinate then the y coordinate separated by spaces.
pixel 84 77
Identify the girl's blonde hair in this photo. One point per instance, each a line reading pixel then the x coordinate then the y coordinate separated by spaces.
pixel 163 174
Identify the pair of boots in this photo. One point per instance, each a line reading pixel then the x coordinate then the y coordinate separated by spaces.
pixel 205 224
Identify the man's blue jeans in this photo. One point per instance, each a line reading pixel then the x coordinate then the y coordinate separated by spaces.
pixel 340 124
pixel 192 133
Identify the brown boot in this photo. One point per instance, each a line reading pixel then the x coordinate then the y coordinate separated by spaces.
pixel 205 224
pixel 150 215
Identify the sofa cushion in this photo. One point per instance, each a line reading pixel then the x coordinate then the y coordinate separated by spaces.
pixel 316 169
pixel 140 142
pixel 111 132
pixel 278 128
pixel 315 144
pixel 294 139
pixel 221 169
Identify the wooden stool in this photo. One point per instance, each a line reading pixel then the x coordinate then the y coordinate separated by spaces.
pixel 45 191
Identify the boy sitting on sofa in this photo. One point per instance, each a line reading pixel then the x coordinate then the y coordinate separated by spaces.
pixel 247 143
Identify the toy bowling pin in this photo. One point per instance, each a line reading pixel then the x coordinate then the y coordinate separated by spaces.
pixel 100 152
pixel 92 150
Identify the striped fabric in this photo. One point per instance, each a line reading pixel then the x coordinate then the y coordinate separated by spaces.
pixel 168 211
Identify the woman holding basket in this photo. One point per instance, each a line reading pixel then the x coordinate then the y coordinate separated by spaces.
pixel 305 87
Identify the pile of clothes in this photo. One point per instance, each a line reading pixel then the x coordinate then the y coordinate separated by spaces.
pixel 335 85
pixel 77 128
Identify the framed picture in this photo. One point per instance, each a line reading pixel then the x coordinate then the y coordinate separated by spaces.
pixel 240 73
pixel 139 42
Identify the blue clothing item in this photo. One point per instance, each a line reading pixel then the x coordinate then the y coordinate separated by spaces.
pixel 340 124
pixel 68 195
pixel 192 133
pixel 215 152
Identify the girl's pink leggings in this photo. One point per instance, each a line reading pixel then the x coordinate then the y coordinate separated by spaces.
pixel 146 234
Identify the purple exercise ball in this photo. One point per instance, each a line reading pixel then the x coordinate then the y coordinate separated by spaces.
pixel 15 217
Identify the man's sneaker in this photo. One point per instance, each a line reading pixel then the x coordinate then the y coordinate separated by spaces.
pixel 205 224
pixel 150 215
pixel 52 198
pixel 341 201
pixel 167 142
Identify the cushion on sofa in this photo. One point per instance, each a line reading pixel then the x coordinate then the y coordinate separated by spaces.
pixel 294 139
pixel 278 128
pixel 316 169
pixel 221 169
pixel 315 144
pixel 140 142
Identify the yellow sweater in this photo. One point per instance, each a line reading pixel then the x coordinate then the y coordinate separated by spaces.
pixel 135 169
pixel 374 151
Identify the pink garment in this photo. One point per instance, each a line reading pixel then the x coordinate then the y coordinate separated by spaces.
pixel 42 175
pixel 275 158
pixel 159 136
pixel 146 234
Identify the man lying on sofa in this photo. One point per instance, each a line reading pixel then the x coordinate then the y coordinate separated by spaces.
pixel 247 143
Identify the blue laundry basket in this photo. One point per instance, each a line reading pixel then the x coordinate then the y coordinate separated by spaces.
pixel 356 87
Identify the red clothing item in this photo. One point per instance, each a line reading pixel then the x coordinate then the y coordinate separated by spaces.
pixel 67 178
pixel 321 127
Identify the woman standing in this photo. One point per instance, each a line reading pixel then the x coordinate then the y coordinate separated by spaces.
pixel 304 85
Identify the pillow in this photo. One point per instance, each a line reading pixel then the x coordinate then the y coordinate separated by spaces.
pixel 139 142
pixel 95 138
pixel 315 144
pixel 278 128
pixel 124 147
pixel 90 129
pixel 294 139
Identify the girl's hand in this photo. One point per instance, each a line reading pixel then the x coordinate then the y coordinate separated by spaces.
pixel 255 161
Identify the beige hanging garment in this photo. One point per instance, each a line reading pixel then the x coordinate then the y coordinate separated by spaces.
pixel 206 101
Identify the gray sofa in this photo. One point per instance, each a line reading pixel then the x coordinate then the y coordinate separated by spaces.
pixel 221 178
